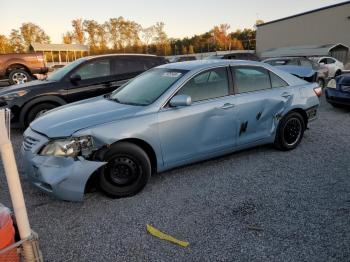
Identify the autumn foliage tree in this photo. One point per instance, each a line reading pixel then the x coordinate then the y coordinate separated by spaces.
pixel 120 35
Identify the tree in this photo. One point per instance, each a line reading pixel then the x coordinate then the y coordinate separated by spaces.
pixel 5 46
pixel 68 38
pixel 102 37
pixel 91 28
pixel 16 41
pixel 78 31
pixel 148 35
pixel 32 33
pixel 161 38
pixel 113 28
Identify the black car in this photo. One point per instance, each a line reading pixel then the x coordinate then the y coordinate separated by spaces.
pixel 322 72
pixel 236 55
pixel 338 91
pixel 84 78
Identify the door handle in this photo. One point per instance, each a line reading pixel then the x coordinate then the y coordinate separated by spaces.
pixel 227 106
pixel 286 95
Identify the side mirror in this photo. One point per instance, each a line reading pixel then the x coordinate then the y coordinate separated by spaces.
pixel 180 100
pixel 75 78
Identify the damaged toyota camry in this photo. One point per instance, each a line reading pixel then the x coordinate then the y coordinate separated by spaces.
pixel 169 116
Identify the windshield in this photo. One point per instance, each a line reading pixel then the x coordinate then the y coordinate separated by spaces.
pixel 60 73
pixel 148 87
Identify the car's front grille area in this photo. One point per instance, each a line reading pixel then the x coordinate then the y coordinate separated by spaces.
pixel 29 142
pixel 345 88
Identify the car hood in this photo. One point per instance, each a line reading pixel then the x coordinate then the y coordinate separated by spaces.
pixel 66 120
pixel 24 86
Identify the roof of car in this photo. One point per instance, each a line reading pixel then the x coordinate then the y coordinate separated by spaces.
pixel 124 54
pixel 202 64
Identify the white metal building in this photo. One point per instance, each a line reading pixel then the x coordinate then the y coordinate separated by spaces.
pixel 324 26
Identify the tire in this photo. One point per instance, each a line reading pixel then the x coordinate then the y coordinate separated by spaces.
pixel 19 76
pixel 290 131
pixel 321 83
pixel 36 111
pixel 127 171
pixel 338 73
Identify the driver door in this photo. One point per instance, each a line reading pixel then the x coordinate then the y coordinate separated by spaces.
pixel 204 128
pixel 95 80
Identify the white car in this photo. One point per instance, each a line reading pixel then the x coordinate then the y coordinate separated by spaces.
pixel 334 66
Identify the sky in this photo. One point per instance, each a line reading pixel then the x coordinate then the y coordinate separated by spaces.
pixel 181 17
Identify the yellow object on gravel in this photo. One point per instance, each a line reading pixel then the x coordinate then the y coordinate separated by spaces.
pixel 155 232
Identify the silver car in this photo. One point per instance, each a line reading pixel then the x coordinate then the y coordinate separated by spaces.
pixel 169 116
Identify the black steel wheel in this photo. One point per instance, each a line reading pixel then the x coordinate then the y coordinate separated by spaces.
pixel 127 171
pixel 290 131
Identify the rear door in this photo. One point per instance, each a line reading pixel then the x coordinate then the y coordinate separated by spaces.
pixel 260 98
pixel 95 78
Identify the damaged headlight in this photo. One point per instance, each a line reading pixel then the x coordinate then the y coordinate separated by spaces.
pixel 69 147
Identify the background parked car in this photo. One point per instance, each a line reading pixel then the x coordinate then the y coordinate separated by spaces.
pixel 322 72
pixel 338 91
pixel 20 68
pixel 183 58
pixel 235 55
pixel 84 78
pixel 334 66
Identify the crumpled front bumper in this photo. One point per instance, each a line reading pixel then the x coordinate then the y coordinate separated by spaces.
pixel 62 177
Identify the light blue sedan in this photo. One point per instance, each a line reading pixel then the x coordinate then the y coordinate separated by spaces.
pixel 169 116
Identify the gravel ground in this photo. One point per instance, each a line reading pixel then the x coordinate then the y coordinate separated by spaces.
pixel 256 205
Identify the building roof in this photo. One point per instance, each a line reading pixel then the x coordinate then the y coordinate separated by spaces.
pixel 305 13
pixel 58 47
pixel 303 50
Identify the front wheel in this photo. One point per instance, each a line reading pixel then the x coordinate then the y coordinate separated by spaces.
pixel 19 76
pixel 37 111
pixel 127 171
pixel 290 131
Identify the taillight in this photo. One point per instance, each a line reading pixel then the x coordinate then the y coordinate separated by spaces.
pixel 318 91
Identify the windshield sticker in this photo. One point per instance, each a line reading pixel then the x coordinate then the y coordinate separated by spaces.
pixel 171 74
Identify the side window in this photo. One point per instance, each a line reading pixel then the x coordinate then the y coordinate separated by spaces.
pixel 276 81
pixel 292 62
pixel 330 61
pixel 248 79
pixel 94 69
pixel 149 63
pixel 304 62
pixel 324 60
pixel 127 65
pixel 207 85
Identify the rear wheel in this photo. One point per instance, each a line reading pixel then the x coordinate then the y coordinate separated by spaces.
pixel 127 171
pixel 338 73
pixel 19 76
pixel 290 131
pixel 37 111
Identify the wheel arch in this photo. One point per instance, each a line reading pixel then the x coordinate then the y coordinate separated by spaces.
pixel 99 155
pixel 302 112
pixel 39 100
pixel 18 65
